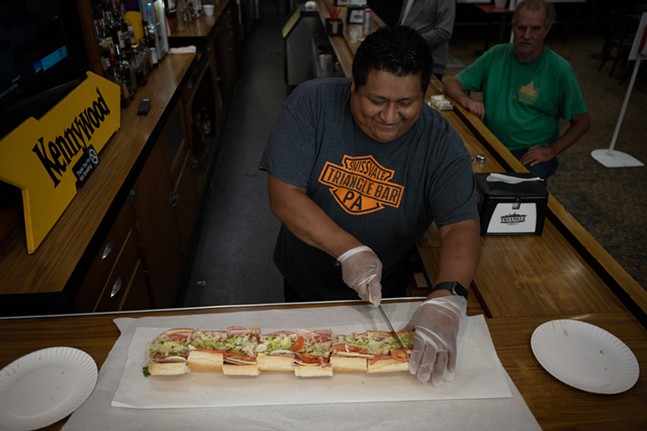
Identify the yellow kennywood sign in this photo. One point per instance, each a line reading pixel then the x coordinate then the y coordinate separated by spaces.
pixel 45 158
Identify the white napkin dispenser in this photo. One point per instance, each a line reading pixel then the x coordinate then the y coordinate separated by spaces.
pixel 511 204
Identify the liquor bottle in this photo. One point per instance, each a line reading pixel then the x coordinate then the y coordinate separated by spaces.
pixel 99 28
pixel 151 42
pixel 119 13
pixel 140 60
pixel 197 5
pixel 366 22
pixel 126 77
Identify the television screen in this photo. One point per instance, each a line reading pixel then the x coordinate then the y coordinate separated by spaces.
pixel 41 47
pixel 32 41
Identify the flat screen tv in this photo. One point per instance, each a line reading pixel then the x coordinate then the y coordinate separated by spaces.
pixel 42 57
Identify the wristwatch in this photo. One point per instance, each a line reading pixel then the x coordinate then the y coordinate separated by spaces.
pixel 453 286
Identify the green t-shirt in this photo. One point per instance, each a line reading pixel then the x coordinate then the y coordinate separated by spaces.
pixel 524 101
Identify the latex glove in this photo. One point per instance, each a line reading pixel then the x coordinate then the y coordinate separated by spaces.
pixel 436 323
pixel 361 270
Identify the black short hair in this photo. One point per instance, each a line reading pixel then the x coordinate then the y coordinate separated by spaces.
pixel 398 49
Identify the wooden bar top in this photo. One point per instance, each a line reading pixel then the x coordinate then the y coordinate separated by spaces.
pixel 200 27
pixel 555 405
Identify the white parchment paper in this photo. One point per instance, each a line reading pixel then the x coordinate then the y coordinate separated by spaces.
pixel 482 395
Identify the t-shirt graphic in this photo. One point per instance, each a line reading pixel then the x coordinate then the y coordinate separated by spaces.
pixel 528 93
pixel 360 185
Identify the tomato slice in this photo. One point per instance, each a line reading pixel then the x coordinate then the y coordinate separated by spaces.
pixel 179 338
pixel 239 356
pixel 376 358
pixel 297 345
pixel 307 359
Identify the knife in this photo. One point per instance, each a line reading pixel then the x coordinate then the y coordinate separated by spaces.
pixel 395 334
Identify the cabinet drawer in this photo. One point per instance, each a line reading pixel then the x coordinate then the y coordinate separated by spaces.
pixel 186 204
pixel 125 281
pixel 103 263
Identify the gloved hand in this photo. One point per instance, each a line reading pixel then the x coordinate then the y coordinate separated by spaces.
pixel 361 270
pixel 436 323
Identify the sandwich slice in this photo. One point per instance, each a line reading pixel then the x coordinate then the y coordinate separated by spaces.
pixel 387 356
pixel 276 350
pixel 206 350
pixel 312 359
pixel 168 353
pixel 350 352
pixel 239 356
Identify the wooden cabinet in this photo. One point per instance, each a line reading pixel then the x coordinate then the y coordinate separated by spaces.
pixel 125 241
pixel 150 240
pixel 204 111
pixel 156 234
pixel 183 196
pixel 115 280
pixel 218 103
pixel 127 287
pixel 227 52
pixel 157 227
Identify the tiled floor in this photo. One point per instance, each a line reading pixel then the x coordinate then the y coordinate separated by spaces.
pixel 233 263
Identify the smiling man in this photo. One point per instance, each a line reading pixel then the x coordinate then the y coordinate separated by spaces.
pixel 357 171
pixel 527 88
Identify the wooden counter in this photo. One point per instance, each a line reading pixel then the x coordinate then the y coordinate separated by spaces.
pixel 555 405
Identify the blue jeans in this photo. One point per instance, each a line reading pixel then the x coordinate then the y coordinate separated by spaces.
pixel 543 169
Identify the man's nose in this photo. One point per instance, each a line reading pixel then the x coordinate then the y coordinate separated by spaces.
pixel 390 113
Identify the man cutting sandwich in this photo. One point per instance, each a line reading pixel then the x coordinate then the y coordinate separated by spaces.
pixel 358 169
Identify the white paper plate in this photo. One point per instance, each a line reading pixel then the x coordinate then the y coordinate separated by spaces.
pixel 44 386
pixel 585 356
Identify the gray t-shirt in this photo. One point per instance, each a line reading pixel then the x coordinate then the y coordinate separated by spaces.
pixel 385 194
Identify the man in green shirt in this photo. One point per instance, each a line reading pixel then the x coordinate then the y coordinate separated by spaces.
pixel 527 88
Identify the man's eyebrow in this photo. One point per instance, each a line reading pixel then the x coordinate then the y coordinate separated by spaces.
pixel 401 99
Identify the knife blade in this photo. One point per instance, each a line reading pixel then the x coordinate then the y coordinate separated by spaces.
pixel 395 334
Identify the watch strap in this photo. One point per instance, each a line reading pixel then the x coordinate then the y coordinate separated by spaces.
pixel 453 286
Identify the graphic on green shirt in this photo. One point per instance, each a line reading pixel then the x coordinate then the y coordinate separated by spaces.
pixel 528 93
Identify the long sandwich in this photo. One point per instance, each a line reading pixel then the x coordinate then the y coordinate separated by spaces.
pixel 244 351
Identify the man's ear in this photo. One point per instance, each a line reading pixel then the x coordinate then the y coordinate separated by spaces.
pixel 352 85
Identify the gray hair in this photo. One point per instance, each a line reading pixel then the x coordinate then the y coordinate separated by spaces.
pixel 548 7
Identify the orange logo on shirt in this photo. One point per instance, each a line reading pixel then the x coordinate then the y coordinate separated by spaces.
pixel 360 185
